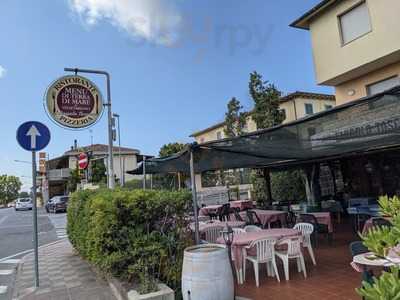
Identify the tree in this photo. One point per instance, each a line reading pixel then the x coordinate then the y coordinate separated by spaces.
pixel 235 120
pixel 98 170
pixel 266 114
pixel 9 188
pixel 169 181
pixel 288 186
pixel 73 180
pixel 170 149
pixel 266 97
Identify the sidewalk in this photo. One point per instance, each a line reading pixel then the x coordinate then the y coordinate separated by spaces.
pixel 63 276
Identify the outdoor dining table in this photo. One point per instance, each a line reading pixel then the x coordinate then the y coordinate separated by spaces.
pixel 268 216
pixel 240 241
pixel 241 204
pixel 362 261
pixel 323 218
pixel 205 225
pixel 204 211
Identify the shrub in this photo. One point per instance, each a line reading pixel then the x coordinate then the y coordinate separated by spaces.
pixel 384 242
pixel 135 235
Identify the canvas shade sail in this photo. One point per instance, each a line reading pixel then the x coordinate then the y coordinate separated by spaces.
pixel 360 126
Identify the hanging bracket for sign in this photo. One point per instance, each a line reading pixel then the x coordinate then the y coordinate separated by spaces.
pixel 74 101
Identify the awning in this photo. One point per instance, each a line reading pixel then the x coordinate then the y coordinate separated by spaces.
pixel 359 126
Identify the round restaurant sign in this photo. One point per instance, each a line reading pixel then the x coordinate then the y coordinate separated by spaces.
pixel 74 101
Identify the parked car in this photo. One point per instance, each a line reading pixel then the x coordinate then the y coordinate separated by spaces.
pixel 23 204
pixel 57 204
pixel 11 204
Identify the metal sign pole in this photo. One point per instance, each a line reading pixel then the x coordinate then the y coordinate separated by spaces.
pixel 110 159
pixel 34 136
pixel 144 172
pixel 194 198
pixel 34 211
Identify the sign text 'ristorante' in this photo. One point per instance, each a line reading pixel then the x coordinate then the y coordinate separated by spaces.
pixel 74 101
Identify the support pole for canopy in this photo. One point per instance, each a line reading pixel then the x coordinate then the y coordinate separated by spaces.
pixel 179 181
pixel 194 198
pixel 144 172
pixel 268 189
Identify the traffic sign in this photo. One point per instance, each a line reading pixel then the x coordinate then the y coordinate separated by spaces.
pixel 83 161
pixel 33 136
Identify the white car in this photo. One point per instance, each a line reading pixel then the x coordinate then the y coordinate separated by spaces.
pixel 23 204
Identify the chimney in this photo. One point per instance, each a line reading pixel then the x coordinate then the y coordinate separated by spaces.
pixel 75 144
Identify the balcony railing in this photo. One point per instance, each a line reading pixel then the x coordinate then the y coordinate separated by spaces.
pixel 59 174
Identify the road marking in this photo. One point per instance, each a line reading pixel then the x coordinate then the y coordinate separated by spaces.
pixel 3 219
pixel 3 289
pixel 8 258
pixel 61 233
pixel 6 272
pixel 10 261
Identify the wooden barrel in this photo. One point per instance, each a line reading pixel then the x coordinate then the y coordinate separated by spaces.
pixel 207 273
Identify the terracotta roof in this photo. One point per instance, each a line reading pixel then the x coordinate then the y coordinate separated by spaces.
pixel 100 148
pixel 304 21
pixel 291 96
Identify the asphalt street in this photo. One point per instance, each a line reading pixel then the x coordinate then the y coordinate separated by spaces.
pixel 16 239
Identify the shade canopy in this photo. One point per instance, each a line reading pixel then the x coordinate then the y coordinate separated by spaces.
pixel 360 126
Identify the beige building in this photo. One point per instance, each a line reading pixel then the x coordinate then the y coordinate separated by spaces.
pixel 356 45
pixel 296 105
pixel 58 169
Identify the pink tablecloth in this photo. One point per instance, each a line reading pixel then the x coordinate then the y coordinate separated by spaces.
pixel 204 211
pixel 241 204
pixel 268 216
pixel 242 240
pixel 204 225
pixel 324 218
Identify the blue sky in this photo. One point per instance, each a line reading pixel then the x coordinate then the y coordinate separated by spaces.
pixel 174 65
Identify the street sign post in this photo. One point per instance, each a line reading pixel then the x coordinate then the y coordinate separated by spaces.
pixel 34 136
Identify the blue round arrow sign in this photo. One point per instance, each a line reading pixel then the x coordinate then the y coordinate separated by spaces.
pixel 33 136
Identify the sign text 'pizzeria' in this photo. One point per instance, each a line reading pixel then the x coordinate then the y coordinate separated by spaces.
pixel 74 101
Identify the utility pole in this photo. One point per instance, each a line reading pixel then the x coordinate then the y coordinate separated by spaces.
pixel 110 169
pixel 122 175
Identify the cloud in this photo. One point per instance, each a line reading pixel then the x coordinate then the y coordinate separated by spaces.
pixel 3 72
pixel 153 20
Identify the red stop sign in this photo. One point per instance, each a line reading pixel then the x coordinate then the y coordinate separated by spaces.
pixel 83 161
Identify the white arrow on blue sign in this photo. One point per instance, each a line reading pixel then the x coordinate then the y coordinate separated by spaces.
pixel 33 136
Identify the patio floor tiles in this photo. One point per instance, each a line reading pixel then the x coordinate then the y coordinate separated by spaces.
pixel 332 278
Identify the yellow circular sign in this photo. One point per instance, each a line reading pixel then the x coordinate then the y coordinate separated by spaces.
pixel 74 101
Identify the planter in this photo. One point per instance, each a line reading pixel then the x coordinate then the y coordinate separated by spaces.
pixel 123 291
pixel 164 293
pixel 207 273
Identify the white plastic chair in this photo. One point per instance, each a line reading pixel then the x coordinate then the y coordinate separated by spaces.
pixel 213 233
pixel 293 251
pixel 265 249
pixel 251 228
pixel 306 230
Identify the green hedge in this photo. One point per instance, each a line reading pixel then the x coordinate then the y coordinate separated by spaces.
pixel 134 235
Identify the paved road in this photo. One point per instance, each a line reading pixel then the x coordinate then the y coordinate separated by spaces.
pixel 16 232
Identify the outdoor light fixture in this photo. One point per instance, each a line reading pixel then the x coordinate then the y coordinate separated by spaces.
pixel 227 234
